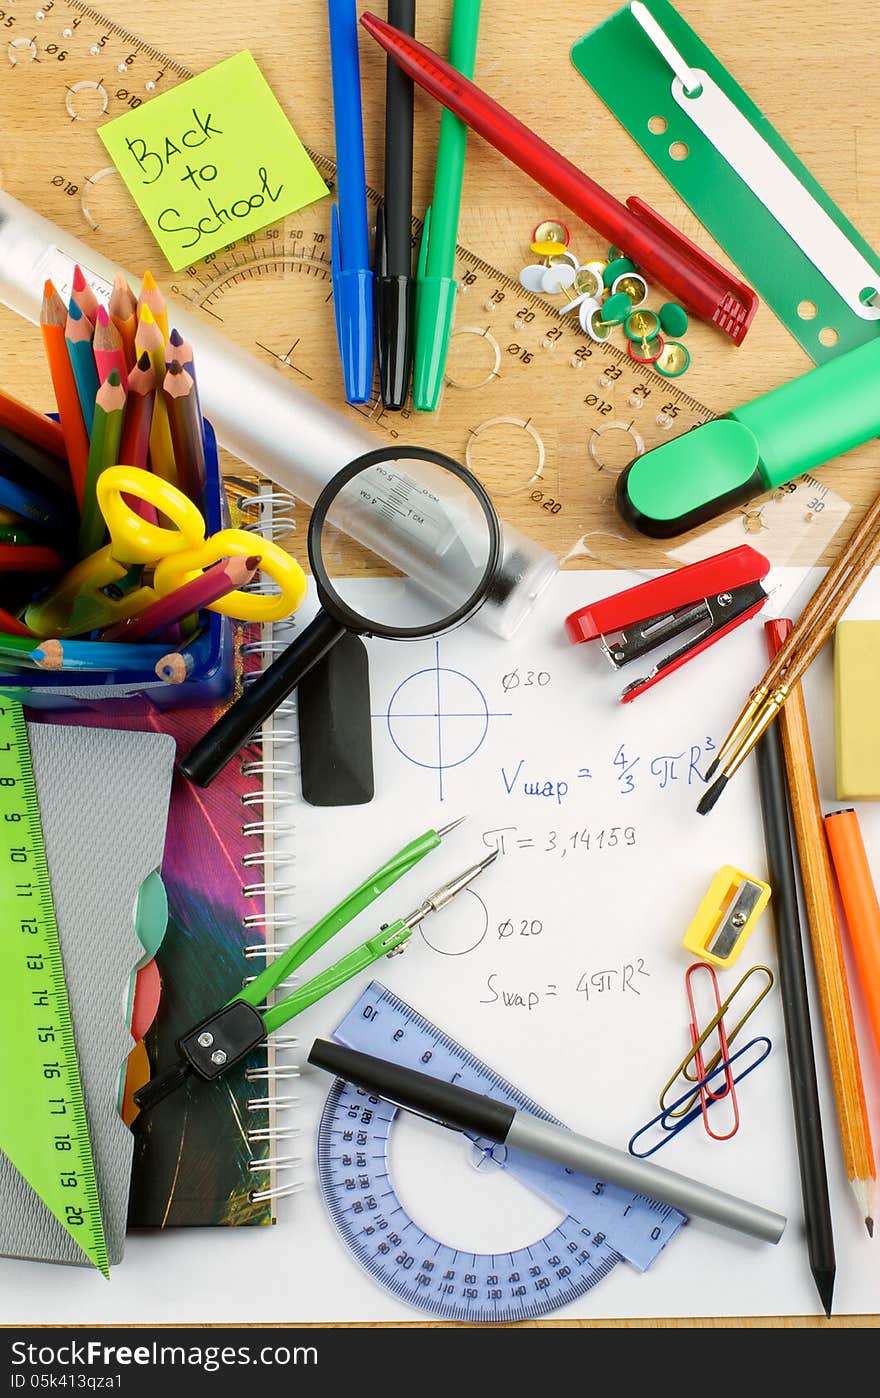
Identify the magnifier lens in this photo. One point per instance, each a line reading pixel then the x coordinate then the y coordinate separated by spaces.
pixel 443 544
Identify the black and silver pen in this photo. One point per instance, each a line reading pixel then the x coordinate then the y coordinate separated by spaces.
pixel 461 1110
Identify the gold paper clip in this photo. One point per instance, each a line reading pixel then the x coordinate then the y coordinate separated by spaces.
pixel 696 1050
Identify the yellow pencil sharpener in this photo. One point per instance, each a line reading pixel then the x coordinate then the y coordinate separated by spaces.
pixel 726 918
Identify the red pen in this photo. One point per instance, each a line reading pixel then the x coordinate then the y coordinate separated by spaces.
pixel 659 249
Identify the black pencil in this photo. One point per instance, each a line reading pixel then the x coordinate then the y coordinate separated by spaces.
pixel 796 1011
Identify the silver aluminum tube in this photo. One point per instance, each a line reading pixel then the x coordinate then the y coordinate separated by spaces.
pixel 279 429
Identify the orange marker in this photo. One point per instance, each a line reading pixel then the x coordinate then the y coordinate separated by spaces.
pixel 860 904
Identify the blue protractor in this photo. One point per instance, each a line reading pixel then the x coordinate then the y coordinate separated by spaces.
pixel 602 1224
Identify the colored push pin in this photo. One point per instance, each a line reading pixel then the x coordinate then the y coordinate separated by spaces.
pixel 673 361
pixel 641 325
pixel 616 309
pixel 674 320
pixel 646 351
pixel 634 285
pixel 551 231
pixel 617 267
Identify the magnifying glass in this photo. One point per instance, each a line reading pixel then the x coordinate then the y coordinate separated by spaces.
pixel 448 540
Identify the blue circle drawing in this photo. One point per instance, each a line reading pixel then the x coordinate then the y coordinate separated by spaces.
pixel 425 695
pixel 438 718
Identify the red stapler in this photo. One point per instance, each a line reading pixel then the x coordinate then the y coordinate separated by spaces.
pixel 707 599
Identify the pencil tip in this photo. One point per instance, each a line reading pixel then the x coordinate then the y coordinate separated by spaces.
pixel 144 362
pixel 101 316
pixel 176 338
pixel 74 311
pixel 49 287
pixel 149 283
pixel 710 797
pixel 79 280
pixel 146 315
pixel 869 1224
pixel 825 1286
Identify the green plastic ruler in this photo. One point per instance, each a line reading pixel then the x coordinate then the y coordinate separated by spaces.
pixel 624 68
pixel 43 1127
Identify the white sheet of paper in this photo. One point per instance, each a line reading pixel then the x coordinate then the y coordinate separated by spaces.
pixel 582 1005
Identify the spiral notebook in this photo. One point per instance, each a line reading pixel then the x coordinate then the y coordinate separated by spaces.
pixel 215 1158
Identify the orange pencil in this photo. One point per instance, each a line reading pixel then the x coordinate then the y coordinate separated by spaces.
pixel 53 319
pixel 859 898
pixel 83 295
pixel 123 313
pixel 31 425
pixel 151 296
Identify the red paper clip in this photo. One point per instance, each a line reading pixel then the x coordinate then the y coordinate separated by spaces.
pixel 704 600
pixel 698 1038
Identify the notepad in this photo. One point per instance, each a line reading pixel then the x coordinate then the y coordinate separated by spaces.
pixel 212 160
pixel 562 968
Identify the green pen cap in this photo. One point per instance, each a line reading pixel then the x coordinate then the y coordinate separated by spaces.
pixel 792 429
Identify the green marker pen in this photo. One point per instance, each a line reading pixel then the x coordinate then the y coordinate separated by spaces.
pixel 756 448
pixel 436 287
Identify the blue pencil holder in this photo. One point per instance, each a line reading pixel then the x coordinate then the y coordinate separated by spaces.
pixel 212 678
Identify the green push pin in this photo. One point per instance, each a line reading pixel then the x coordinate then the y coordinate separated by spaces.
pixel 674 319
pixel 617 267
pixel 617 308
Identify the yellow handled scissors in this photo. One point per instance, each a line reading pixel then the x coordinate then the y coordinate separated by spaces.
pixel 91 594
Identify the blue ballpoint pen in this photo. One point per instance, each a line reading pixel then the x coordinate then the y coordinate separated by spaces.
pixel 349 233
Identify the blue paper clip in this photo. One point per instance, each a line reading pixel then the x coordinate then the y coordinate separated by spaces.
pixel 666 1119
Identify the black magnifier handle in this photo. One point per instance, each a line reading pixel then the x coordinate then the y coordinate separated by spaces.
pixel 241 720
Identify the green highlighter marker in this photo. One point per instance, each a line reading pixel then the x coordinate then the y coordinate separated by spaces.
pixel 436 287
pixel 758 447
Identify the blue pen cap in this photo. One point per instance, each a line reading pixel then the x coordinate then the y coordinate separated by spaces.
pixel 353 310
pixel 212 677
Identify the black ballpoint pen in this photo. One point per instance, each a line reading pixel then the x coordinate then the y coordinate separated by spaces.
pixel 395 285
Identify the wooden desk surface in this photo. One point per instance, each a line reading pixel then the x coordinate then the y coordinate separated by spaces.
pixel 814 75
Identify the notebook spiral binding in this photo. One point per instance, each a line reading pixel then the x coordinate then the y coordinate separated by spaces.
pixel 271 513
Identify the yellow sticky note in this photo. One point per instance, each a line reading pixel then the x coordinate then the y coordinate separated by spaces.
pixel 212 160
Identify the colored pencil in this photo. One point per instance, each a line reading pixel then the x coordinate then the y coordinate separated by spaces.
pixel 134 447
pixel 104 452
pixel 149 339
pixel 135 443
pixel 122 308
pixel 95 656
pixel 11 626
pixel 793 992
pixel 821 908
pixel 33 426
pixel 83 295
pixel 35 464
pixel 29 558
pixel 216 582
pixel 180 349
pixel 109 353
pixel 175 667
pixel 78 338
pixel 186 432
pixel 53 318
pixel 151 296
